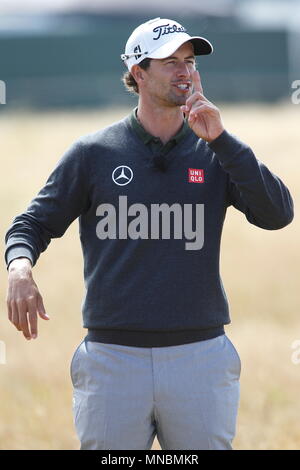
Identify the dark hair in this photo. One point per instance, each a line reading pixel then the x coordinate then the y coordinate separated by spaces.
pixel 128 79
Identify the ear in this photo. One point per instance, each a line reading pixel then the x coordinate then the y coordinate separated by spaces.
pixel 137 73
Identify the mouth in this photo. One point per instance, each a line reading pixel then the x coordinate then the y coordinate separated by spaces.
pixel 183 86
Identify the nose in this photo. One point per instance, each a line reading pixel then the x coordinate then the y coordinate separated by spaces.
pixel 183 70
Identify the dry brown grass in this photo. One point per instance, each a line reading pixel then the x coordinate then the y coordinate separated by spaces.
pixel 260 271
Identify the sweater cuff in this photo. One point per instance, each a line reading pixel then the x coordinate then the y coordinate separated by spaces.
pixel 226 146
pixel 18 252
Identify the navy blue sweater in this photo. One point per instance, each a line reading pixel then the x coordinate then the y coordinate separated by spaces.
pixel 150 228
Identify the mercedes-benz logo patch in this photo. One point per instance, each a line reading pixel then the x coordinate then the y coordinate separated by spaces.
pixel 122 175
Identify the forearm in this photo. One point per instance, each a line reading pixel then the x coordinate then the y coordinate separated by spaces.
pixel 63 198
pixel 254 189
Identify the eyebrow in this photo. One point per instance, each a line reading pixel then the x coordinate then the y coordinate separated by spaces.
pixel 174 57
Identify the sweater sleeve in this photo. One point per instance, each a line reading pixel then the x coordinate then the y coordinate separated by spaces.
pixel 253 189
pixel 63 198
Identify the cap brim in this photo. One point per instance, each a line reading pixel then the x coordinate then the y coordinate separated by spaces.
pixel 201 47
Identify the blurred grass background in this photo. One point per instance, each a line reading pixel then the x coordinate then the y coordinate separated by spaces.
pixel 260 272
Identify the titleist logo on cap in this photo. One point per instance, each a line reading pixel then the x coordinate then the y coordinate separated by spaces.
pixel 167 29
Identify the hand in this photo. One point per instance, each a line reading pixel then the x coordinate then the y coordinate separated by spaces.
pixel 203 116
pixel 23 298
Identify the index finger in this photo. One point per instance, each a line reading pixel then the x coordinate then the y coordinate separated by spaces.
pixel 197 82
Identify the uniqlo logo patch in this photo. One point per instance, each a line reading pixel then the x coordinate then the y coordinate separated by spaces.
pixel 196 175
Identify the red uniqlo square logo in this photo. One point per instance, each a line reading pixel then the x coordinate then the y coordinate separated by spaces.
pixel 196 175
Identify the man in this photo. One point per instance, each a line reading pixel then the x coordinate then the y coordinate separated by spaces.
pixel 151 194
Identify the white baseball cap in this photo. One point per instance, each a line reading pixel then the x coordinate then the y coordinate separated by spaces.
pixel 158 39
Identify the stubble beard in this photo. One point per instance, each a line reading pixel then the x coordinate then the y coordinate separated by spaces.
pixel 169 98
pixel 172 100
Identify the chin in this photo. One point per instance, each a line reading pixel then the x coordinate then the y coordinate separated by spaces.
pixel 177 100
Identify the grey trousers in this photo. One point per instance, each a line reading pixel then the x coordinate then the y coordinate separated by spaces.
pixel 186 395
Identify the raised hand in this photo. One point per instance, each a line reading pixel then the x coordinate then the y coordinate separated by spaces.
pixel 203 116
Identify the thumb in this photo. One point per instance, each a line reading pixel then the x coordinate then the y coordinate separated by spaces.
pixel 41 309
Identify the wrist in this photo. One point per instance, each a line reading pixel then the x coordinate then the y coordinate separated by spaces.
pixel 20 264
pixel 216 134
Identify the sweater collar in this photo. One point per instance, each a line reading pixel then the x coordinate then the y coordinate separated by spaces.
pixel 147 138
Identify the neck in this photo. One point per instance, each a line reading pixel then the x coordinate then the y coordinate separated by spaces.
pixel 162 122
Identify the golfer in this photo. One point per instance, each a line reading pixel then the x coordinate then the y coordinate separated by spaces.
pixel 151 193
